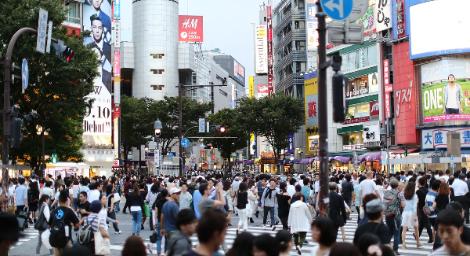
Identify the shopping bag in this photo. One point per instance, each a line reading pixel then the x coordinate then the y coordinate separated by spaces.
pixel 102 245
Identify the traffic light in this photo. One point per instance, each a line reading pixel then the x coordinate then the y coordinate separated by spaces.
pixel 63 51
pixel 339 82
pixel 15 126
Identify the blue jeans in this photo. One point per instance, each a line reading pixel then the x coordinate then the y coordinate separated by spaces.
pixel 394 225
pixel 136 222
pixel 269 210
pixel 159 238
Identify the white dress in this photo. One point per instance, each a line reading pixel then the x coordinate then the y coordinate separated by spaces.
pixel 409 216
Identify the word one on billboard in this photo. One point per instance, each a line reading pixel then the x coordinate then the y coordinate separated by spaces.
pixel 446 100
pixel 191 29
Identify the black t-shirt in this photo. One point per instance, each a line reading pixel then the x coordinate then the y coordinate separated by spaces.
pixel 283 205
pixel 192 253
pixel 378 229
pixel 441 202
pixel 67 215
pixel 242 200
pixel 84 206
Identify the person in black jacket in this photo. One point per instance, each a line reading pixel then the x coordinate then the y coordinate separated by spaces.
pixel 347 189
pixel 136 204
pixel 283 202
pixel 337 210
pixel 423 219
pixel 242 201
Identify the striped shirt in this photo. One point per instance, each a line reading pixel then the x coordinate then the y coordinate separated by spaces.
pixel 96 221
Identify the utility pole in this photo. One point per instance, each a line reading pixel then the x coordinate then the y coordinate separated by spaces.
pixel 322 113
pixel 181 91
pixel 6 103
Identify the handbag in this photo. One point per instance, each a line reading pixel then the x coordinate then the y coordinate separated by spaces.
pixel 102 245
pixel 153 237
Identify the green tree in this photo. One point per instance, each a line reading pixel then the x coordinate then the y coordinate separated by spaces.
pixel 273 117
pixel 57 89
pixel 230 120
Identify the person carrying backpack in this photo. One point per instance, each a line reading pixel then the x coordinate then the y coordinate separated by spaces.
pixel 392 212
pixel 62 219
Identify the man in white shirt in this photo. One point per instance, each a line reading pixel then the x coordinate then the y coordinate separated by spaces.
pixel 460 188
pixel 291 187
pixel 47 190
pixel 368 186
pixel 94 193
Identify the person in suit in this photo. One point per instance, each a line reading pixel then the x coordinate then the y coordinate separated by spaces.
pixel 102 49
pixel 104 17
pixel 337 209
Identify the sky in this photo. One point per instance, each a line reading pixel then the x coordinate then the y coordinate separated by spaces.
pixel 227 25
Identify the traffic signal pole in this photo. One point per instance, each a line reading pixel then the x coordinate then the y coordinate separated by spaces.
pixel 6 103
pixel 322 110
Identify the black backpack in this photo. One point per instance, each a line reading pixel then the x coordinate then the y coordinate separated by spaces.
pixel 86 232
pixel 58 238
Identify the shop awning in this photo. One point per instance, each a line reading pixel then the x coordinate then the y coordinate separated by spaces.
pixel 364 99
pixel 370 156
pixel 342 159
pixel 350 129
pixel 306 160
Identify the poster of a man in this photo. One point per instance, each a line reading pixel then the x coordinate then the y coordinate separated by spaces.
pixel 452 96
pixel 102 49
pixel 103 14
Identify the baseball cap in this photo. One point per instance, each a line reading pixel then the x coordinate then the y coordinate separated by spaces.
pixel 174 190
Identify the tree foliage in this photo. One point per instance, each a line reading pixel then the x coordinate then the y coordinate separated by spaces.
pixel 138 116
pixel 56 89
pixel 273 117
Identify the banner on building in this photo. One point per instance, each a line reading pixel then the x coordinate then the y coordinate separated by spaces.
pixel 261 49
pixel 263 91
pixel 437 138
pixel 312 34
pixel 311 99
pixel 97 124
pixel 269 21
pixel 251 86
pixel 191 29
pixel 383 15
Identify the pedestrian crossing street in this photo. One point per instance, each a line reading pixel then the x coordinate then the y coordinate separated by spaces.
pixel 308 248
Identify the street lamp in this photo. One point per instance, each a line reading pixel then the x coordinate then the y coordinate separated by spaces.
pixel 157 125
pixel 40 131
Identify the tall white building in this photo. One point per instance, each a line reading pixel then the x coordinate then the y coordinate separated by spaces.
pixel 155 37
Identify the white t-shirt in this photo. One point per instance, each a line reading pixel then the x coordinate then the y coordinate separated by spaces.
pixel 367 187
pixel 290 190
pixel 452 98
pixel 460 187
pixel 93 195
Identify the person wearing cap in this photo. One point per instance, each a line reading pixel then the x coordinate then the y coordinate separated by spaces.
pixel 10 233
pixel 374 211
pixel 169 215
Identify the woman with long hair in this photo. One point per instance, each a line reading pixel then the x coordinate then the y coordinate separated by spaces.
pixel 409 215
pixel 137 207
pixel 323 233
pixel 242 201
pixel 157 207
pixel 442 198
pixel 252 199
pixel 242 246
pixel 109 206
pixel 283 202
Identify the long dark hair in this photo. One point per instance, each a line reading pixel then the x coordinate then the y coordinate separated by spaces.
pixel 409 190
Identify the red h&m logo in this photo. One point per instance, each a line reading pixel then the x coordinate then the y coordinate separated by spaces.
pixel 191 29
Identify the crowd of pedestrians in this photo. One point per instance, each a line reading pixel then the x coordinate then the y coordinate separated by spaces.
pixel 75 213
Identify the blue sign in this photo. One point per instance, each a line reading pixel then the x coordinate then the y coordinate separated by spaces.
pixel 24 75
pixel 185 142
pixel 290 139
pixel 337 9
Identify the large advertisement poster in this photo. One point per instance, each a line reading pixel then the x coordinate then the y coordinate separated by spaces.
pixel 261 49
pixel 97 124
pixel 446 100
pixel 311 100
pixel 312 34
pixel 191 29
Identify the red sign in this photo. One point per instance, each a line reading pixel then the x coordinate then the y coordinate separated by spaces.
pixel 386 72
pixel 312 109
pixel 405 90
pixel 401 22
pixel 116 112
pixel 191 29
pixel 374 108
pixel 263 89
pixel 388 111
pixel 269 20
pixel 357 120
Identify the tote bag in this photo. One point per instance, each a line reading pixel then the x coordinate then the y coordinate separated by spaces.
pixel 102 245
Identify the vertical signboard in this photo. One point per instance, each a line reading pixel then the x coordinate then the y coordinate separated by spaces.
pixel 368 22
pixel 311 111
pixel 261 50
pixel 251 87
pixel 191 29
pixel 42 31
pixel 97 125
pixel 400 19
pixel 117 74
pixel 270 49
pixel 312 34
pixel 383 15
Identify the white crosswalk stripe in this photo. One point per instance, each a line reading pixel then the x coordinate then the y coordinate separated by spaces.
pixel 308 248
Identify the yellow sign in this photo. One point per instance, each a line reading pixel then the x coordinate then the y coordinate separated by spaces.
pixel 251 87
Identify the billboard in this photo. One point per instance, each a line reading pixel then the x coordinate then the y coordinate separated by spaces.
pixel 437 138
pixel 239 71
pixel 190 29
pixel 430 36
pixel 445 91
pixel 261 50
pixel 368 22
pixel 311 99
pixel 263 91
pixel 312 34
pixel 383 15
pixel 269 21
pixel 97 124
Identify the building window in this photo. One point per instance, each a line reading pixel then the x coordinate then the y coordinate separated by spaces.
pixel 194 78
pixel 73 13
pixel 157 55
pixel 157 71
pixel 157 87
